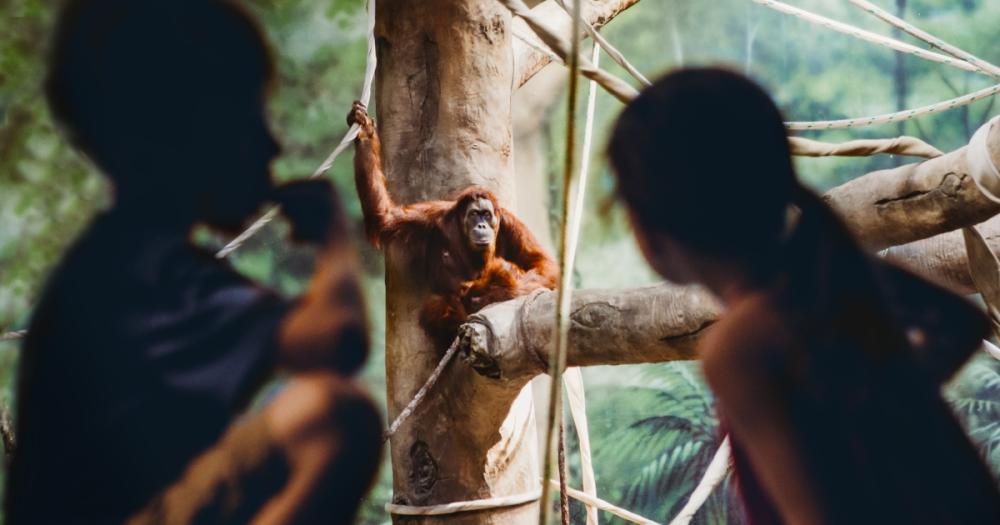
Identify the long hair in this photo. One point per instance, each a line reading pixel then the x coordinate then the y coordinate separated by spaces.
pixel 702 157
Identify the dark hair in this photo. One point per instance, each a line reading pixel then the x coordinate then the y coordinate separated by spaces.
pixel 152 71
pixel 702 157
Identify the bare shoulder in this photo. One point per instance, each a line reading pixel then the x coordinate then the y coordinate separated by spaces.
pixel 754 336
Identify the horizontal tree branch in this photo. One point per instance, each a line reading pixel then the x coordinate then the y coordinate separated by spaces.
pixel 905 204
pixel 511 340
pixel 942 258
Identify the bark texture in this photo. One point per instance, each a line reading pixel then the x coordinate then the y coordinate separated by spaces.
pixel 512 341
pixel 528 61
pixel 443 95
pixel 916 201
pixel 443 100
pixel 911 204
pixel 942 258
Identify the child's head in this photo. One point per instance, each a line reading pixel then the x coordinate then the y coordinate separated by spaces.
pixel 167 97
pixel 703 165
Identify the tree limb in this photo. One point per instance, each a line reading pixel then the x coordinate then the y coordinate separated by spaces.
pixel 511 340
pixel 916 201
pixel 528 60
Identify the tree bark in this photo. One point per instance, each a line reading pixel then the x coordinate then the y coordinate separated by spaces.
pixel 528 61
pixel 443 99
pixel 942 258
pixel 905 204
pixel 511 342
pixel 443 96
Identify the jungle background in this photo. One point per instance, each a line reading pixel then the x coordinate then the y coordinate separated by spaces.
pixel 653 427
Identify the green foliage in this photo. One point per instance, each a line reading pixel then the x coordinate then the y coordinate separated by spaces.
pixel 653 427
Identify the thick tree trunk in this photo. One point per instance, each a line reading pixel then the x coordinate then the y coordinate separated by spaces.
pixel 445 80
pixel 443 100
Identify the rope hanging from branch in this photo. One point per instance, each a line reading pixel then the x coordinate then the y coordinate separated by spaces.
pixel 557 362
pixel 352 132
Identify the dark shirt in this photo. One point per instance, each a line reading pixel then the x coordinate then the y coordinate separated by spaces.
pixel 139 354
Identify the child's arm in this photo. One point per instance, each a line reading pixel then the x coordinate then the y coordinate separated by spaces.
pixel 327 328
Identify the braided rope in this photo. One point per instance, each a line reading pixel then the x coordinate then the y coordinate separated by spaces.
pixel 868 36
pixel 347 140
pixel 461 506
pixel 564 290
pixel 898 116
pixel 422 393
pixel 983 66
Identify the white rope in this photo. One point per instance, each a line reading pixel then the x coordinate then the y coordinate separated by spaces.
pixel 564 290
pixel 611 50
pixel 897 116
pixel 904 145
pixel 980 163
pixel 352 133
pixel 13 336
pixel 587 499
pixel 462 506
pixel 575 391
pixel 983 66
pixel 868 36
pixel 422 393
pixel 614 86
pixel 563 48
pixel 714 476
pixel 991 349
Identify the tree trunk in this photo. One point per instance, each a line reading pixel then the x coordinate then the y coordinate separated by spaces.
pixel 445 80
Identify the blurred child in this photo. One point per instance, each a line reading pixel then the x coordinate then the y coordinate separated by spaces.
pixel 144 347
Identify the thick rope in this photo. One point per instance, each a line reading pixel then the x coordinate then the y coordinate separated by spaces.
pixel 564 291
pixel 611 50
pixel 913 146
pixel 13 336
pixel 462 506
pixel 564 48
pixel 352 133
pixel 589 500
pixel 422 393
pixel 573 380
pixel 983 66
pixel 868 36
pixel 898 116
pixel 613 85
pixel 714 475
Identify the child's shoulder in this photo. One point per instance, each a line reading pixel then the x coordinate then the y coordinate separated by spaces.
pixel 753 332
